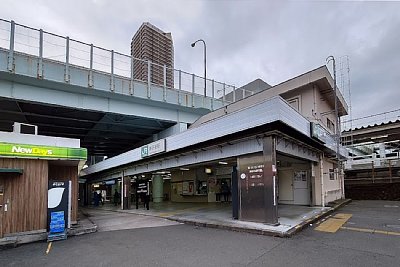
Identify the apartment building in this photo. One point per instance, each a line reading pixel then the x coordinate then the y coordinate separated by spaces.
pixel 152 44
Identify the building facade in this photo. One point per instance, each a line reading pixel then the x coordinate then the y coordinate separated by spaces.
pixel 152 44
pixel 274 147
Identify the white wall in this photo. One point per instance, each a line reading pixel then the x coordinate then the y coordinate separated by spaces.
pixel 332 188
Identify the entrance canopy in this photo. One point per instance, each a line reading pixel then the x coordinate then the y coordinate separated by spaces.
pixel 234 134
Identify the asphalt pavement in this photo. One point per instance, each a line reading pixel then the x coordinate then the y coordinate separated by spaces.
pixel 158 244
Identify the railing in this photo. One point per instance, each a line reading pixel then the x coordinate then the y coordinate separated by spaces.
pixel 17 38
pixel 373 160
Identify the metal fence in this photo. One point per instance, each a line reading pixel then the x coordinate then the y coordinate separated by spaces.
pixel 45 45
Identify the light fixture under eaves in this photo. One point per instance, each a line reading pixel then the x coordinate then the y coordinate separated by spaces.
pixel 223 163
pixel 378 137
pixel 184 169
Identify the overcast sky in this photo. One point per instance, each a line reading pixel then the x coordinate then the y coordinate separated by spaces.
pixel 246 40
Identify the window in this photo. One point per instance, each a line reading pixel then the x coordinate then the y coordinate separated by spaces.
pixel 331 174
pixel 295 103
pixel 330 125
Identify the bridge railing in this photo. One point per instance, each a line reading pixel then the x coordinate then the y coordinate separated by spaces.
pixel 17 38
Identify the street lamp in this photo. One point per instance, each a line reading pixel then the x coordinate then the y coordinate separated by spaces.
pixel 205 64
pixel 329 59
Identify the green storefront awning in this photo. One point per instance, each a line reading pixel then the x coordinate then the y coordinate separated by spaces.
pixel 41 152
pixel 15 171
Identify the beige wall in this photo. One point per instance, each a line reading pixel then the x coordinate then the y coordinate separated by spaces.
pixel 324 107
pixel 313 105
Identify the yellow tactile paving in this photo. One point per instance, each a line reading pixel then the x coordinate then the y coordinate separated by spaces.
pixel 333 224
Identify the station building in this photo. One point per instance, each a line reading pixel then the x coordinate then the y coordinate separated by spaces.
pixel 275 147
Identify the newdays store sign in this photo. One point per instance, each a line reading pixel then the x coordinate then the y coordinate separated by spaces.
pixel 45 152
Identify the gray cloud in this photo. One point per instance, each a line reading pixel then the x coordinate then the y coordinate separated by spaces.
pixel 272 40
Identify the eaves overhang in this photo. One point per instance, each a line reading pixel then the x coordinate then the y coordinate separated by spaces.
pixel 253 118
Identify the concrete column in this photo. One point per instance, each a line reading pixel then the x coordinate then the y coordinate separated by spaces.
pixel 126 192
pixel 157 188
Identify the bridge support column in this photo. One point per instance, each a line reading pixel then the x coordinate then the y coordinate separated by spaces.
pixel 158 191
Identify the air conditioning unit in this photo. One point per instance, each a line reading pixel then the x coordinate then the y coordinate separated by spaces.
pixel 24 128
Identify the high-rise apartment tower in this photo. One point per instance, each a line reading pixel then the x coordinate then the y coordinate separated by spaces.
pixel 151 43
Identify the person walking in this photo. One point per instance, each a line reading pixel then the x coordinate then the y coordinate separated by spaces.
pixel 225 190
pixel 116 197
pixel 96 198
pixel 218 192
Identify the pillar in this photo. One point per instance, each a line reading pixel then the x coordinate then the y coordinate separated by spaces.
pixel 126 192
pixel 270 180
pixel 158 193
pixel 258 184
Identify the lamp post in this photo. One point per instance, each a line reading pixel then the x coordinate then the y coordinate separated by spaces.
pixel 205 63
pixel 329 59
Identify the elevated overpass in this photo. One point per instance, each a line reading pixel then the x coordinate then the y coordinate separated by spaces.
pixel 73 89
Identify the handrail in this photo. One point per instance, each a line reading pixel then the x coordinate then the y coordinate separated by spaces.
pixel 92 60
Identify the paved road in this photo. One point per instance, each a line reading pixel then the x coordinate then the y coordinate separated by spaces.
pixel 184 245
pixel 112 220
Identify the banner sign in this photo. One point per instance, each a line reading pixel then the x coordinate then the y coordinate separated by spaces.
pixel 58 209
pixel 45 152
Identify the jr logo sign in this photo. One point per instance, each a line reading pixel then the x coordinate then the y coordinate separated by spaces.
pixel 145 151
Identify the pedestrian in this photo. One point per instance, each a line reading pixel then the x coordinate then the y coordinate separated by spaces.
pixel 96 198
pixel 101 198
pixel 225 190
pixel 218 191
pixel 116 197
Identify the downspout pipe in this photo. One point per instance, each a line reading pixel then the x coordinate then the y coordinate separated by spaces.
pixel 321 164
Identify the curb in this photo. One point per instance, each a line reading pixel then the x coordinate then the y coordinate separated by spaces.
pixel 230 228
pixel 296 229
pixel 315 218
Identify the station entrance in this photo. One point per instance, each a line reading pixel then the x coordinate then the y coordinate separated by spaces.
pixel 294 181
